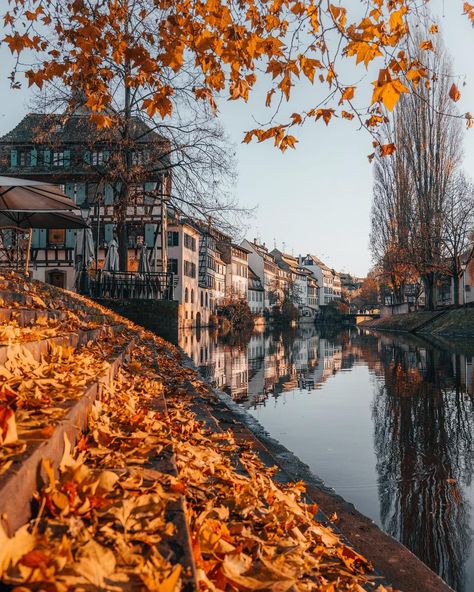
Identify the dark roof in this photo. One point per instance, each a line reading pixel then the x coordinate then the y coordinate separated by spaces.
pixel 76 128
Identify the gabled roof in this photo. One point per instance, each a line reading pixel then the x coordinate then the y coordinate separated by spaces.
pixel 319 263
pixel 73 129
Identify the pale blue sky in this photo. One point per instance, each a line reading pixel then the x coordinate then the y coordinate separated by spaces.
pixel 316 198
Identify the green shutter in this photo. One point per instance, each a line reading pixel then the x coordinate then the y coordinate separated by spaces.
pixel 70 239
pixel 109 195
pixel 35 238
pixel 69 190
pixel 150 186
pixel 150 230
pixel 67 158
pixel 87 156
pixel 46 158
pixel 81 193
pixel 43 237
pixel 14 158
pixel 108 232
pixel 34 157
pixel 106 156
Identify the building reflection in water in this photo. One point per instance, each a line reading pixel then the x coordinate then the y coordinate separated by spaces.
pixel 265 363
pixel 422 414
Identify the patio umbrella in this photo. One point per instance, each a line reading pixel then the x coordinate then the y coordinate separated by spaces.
pixel 111 262
pixel 42 220
pixel 87 250
pixel 27 204
pixel 143 263
pixel 19 198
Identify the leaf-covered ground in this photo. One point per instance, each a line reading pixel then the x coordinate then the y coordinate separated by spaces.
pixel 149 483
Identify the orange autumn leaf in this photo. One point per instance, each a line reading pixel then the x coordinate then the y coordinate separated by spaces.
pixel 388 90
pixel 387 149
pixel 454 93
pixel 347 94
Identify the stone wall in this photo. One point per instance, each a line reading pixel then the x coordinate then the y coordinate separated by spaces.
pixel 159 316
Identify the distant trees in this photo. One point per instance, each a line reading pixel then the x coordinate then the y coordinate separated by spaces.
pixel 457 232
pixel 416 188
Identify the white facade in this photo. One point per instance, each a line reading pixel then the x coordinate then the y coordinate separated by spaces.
pixel 329 280
pixel 183 261
pixel 256 294
pixel 236 279
pixel 263 264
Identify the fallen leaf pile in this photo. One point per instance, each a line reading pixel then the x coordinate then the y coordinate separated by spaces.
pixel 149 481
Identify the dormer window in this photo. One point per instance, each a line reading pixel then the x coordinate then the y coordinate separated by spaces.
pixel 97 158
pixel 58 158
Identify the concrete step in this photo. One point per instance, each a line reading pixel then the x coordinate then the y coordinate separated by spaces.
pixel 26 316
pixel 20 482
pixel 44 346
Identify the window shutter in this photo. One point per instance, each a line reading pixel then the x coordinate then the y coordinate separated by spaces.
pixel 150 235
pixel 87 156
pixel 14 158
pixel 109 195
pixel 70 239
pixel 150 186
pixel 108 232
pixel 34 157
pixel 35 240
pixel 67 158
pixel 43 236
pixel 46 158
pixel 81 193
pixel 106 156
pixel 69 190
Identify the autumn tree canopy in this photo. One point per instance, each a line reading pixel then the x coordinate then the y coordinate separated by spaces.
pixel 225 48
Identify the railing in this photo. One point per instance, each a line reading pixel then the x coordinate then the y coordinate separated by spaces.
pixel 122 285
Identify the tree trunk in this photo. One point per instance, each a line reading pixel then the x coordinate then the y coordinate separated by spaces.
pixel 456 289
pixel 122 237
pixel 429 284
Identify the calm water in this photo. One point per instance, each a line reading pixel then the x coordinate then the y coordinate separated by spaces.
pixel 387 422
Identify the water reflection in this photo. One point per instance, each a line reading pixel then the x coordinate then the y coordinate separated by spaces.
pixel 387 421
pixel 423 440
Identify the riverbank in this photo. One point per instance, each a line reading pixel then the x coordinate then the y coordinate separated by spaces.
pixel 116 475
pixel 449 323
pixel 121 469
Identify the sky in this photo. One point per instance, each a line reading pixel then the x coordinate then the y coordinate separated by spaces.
pixel 315 199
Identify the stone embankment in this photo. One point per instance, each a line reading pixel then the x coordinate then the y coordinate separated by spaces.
pixel 458 322
pixel 121 470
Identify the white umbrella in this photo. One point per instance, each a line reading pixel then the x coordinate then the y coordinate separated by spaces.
pixel 143 263
pixel 89 247
pixel 112 259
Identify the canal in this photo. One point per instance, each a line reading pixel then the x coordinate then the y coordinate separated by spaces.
pixel 387 421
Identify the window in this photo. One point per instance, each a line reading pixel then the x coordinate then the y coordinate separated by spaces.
pixel 207 301
pixel 97 157
pixel 24 158
pixel 139 157
pixel 58 158
pixel 192 296
pixel 56 237
pixel 202 298
pixel 189 242
pixel 173 238
pixel 190 269
pixel 173 266
pixel 186 296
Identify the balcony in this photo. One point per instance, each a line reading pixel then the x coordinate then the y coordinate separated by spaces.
pixel 126 285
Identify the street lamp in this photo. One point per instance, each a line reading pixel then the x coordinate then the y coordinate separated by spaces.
pixel 84 277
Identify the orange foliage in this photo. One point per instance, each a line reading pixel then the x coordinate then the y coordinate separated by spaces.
pixel 225 46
